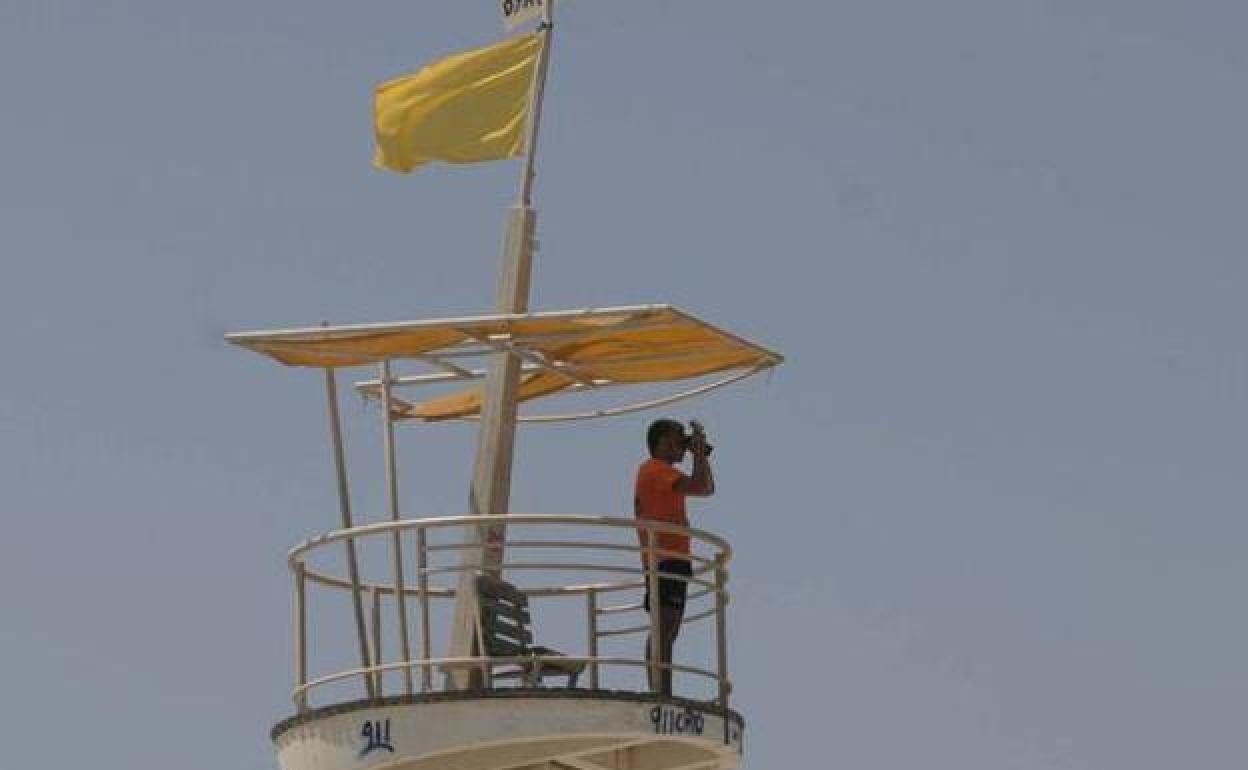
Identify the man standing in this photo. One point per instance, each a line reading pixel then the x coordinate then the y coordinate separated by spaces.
pixel 660 495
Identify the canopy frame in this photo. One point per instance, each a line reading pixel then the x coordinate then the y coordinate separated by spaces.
pixel 449 346
pixel 369 388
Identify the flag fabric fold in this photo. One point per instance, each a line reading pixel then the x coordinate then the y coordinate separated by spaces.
pixel 469 107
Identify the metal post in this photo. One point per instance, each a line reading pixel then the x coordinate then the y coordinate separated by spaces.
pixel 422 581
pixel 535 107
pixel 591 611
pixel 656 610
pixel 378 684
pixel 301 636
pixel 721 636
pixel 344 507
pixel 491 481
pixel 392 490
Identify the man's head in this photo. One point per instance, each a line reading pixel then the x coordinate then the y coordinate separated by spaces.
pixel 666 440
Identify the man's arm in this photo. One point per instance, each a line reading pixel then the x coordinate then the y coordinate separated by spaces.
pixel 702 482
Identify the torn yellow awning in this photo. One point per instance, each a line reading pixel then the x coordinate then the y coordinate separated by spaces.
pixel 562 350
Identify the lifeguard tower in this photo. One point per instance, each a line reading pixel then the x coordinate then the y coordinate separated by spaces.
pixel 452 663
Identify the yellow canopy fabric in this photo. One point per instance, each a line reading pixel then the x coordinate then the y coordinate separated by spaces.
pixel 633 356
pixel 471 106
pixel 612 346
pixel 345 347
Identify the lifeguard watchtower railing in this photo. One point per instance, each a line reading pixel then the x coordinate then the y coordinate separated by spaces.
pixel 596 563
pixel 585 706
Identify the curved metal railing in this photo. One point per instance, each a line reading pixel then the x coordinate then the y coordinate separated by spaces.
pixel 604 562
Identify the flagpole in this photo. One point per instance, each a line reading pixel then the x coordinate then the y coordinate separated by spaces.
pixel 491 482
pixel 529 173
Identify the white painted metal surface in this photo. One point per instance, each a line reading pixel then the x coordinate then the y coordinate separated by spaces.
pixel 484 733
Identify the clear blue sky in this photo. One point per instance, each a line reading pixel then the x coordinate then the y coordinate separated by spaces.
pixel 999 488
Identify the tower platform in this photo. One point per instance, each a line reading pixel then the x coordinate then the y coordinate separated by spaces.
pixel 578 583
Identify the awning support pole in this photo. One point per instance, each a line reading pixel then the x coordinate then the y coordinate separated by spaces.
pixel 392 494
pixel 344 507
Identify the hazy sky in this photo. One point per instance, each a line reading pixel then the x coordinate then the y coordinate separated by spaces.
pixel 990 515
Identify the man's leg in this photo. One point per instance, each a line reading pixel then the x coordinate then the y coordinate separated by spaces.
pixel 654 676
pixel 672 592
pixel 670 618
pixel 660 679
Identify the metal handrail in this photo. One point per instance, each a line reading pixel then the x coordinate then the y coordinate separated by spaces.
pixel 708 579
pixel 516 519
pixel 546 591
pixel 630 630
pixel 469 662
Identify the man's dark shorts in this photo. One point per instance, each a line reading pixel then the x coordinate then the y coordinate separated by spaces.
pixel 672 591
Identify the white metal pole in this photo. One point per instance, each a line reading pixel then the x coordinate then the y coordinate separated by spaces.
pixel 539 93
pixel 491 483
pixel 301 636
pixel 492 479
pixel 344 507
pixel 721 636
pixel 422 581
pixel 379 685
pixel 591 611
pixel 392 491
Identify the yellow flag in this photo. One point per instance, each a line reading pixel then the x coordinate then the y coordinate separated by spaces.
pixel 471 106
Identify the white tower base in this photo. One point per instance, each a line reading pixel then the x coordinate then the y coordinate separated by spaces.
pixel 495 730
